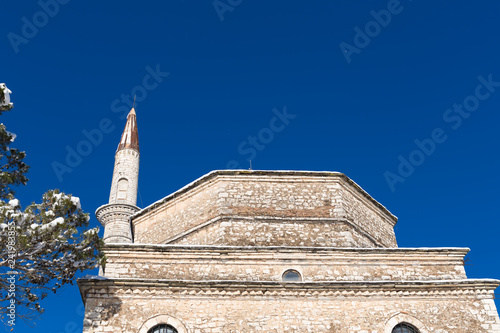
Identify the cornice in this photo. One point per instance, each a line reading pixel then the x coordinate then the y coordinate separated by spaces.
pixel 104 212
pixel 137 247
pixel 138 288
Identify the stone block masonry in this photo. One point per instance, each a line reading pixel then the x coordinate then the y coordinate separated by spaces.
pixel 323 208
pixel 125 177
pixel 246 307
pixel 202 263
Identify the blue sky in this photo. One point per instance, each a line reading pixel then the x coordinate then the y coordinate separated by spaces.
pixel 381 101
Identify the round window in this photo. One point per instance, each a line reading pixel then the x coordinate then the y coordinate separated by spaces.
pixel 291 275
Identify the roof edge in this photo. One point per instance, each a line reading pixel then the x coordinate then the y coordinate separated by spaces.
pixel 166 247
pixel 482 285
pixel 491 284
pixel 215 173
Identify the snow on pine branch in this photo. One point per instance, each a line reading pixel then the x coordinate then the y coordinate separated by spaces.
pixel 5 103
pixel 53 242
pixel 45 243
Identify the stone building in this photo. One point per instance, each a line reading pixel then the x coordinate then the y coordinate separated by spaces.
pixel 271 251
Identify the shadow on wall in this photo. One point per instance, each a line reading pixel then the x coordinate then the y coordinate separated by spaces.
pixel 102 306
pixel 103 311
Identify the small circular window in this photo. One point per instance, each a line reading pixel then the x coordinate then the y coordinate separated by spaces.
pixel 291 275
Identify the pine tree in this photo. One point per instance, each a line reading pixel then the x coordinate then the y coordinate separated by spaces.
pixel 43 245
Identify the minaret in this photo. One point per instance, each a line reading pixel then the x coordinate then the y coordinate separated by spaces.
pixel 123 196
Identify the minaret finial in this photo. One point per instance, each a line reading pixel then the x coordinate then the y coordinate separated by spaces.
pixel 133 106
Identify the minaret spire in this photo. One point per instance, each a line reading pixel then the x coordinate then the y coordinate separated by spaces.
pixel 130 136
pixel 123 195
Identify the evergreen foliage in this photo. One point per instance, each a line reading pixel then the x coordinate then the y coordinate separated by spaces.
pixel 42 246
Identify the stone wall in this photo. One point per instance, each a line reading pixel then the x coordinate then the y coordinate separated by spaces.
pixel 292 309
pixel 126 167
pixel 237 231
pixel 179 214
pixel 268 264
pixel 359 211
pixel 293 197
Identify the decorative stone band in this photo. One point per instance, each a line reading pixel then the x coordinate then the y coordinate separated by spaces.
pixel 113 212
pixel 140 288
pixel 116 221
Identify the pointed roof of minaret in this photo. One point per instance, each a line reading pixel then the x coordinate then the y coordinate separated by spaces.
pixel 130 136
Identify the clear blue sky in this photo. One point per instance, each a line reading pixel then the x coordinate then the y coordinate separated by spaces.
pixel 229 70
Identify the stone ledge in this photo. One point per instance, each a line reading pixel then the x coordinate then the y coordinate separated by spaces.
pixel 137 247
pixel 119 207
pixel 475 288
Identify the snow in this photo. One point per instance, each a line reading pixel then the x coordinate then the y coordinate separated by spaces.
pixel 6 92
pixel 58 196
pixel 13 136
pixel 93 277
pixel 61 196
pixel 24 217
pixel 76 202
pixel 91 231
pixel 39 246
pixel 58 220
pixel 52 224
pixel 49 213
pixel 14 202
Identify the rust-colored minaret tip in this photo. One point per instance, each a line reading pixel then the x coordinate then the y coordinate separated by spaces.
pixel 130 136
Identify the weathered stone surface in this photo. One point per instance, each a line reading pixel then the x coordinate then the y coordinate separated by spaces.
pixel 126 169
pixel 320 208
pixel 237 231
pixel 116 221
pixel 269 263
pixel 291 307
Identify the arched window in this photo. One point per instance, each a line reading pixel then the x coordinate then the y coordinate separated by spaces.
pixel 162 329
pixel 291 275
pixel 405 328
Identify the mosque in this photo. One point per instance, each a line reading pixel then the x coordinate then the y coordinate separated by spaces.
pixel 243 251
